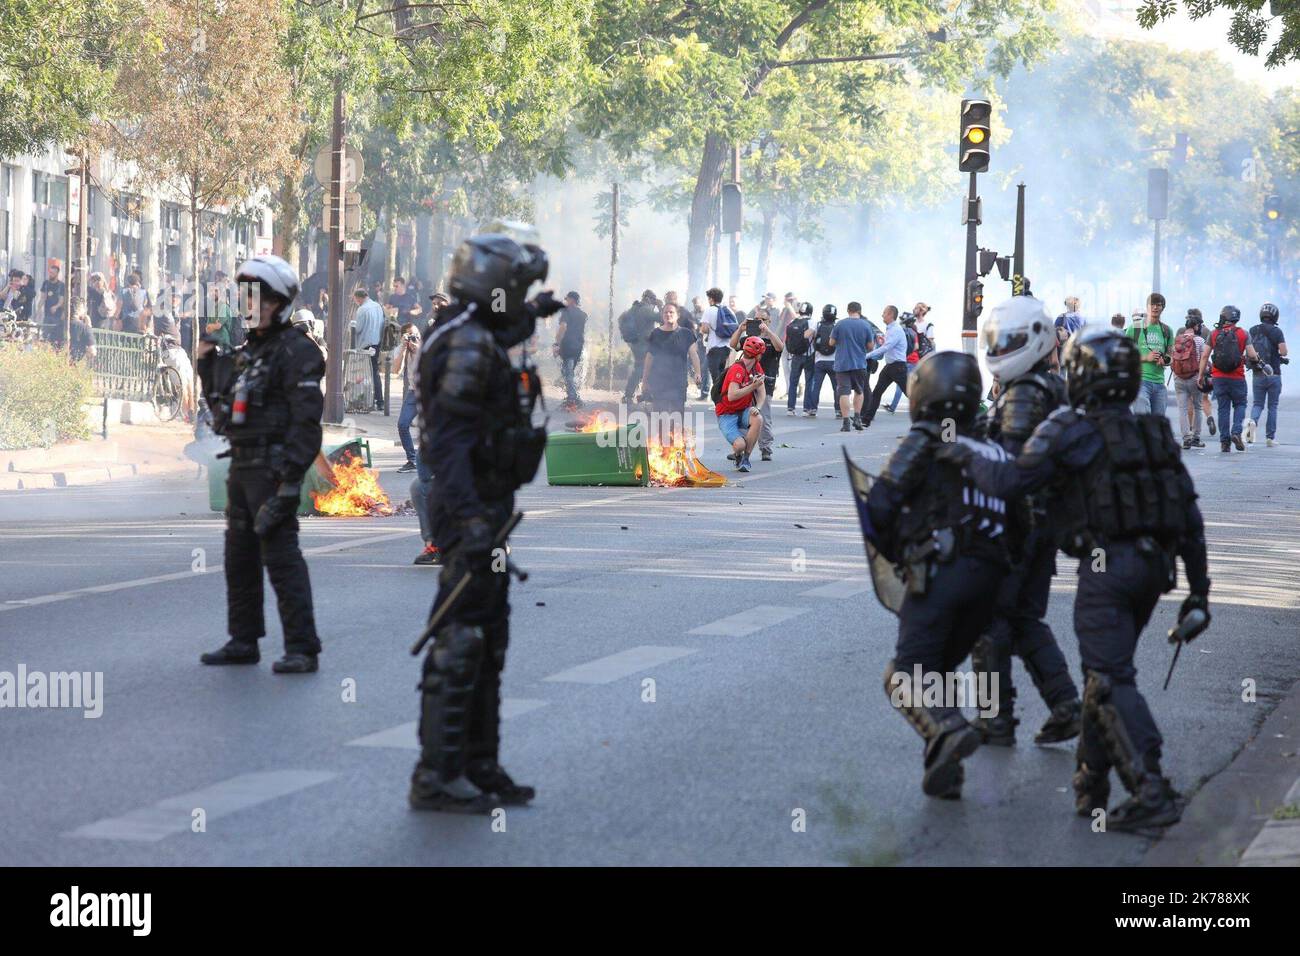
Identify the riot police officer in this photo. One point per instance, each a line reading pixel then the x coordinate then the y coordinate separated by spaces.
pixel 1020 340
pixel 948 542
pixel 476 413
pixel 265 397
pixel 1128 509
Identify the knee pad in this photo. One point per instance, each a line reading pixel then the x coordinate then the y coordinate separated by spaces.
pixel 1114 735
pixel 457 651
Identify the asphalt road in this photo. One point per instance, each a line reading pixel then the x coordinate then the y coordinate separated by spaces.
pixel 762 737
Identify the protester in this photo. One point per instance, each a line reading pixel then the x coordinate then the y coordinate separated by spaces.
pixel 851 339
pixel 635 326
pixel 1185 363
pixel 369 326
pixel 798 347
pixel 893 354
pixel 1226 357
pixel 1266 385
pixel 717 326
pixel 823 347
pixel 742 386
pixel 133 301
pixel 1204 383
pixel 16 297
pixel 670 349
pixel 570 334
pixel 758 326
pixel 1069 321
pixel 1154 341
pixel 54 298
pixel 404 301
pixel 405 360
pixel 908 321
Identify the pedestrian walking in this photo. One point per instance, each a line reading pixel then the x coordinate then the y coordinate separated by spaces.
pixel 1154 340
pixel 570 335
pixel 823 349
pixel 798 347
pixel 1266 376
pixel 1225 357
pixel 1185 366
pixel 892 354
pixel 369 326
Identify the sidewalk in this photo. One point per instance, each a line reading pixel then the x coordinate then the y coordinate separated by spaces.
pixel 130 451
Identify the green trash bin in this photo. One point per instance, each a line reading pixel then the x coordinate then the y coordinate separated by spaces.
pixel 316 479
pixel 614 457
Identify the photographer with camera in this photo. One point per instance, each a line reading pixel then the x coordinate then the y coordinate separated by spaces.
pixel 405 360
pixel 1270 344
pixel 1154 341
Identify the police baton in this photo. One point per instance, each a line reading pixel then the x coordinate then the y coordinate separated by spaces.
pixel 1192 624
pixel 441 610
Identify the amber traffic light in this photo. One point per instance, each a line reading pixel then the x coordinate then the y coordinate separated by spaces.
pixel 973 151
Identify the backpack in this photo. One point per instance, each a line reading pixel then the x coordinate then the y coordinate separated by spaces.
pixel 1263 346
pixel 795 343
pixel 726 324
pixel 627 325
pixel 1225 354
pixel 1185 364
pixel 911 340
pixel 923 345
pixel 715 390
pixel 822 340
pixel 391 334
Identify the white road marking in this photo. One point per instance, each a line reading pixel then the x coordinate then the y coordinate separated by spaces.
pixel 188 573
pixel 175 814
pixel 749 621
pixel 405 736
pixel 605 670
pixel 847 588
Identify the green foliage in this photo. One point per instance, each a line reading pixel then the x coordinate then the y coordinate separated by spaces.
pixel 41 397
pixel 58 62
pixel 1248 30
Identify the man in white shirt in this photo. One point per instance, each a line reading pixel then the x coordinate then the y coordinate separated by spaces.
pixel 369 325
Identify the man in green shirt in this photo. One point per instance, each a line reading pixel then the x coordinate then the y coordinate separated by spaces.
pixel 1154 341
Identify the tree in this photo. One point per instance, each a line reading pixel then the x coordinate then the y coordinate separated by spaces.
pixel 1249 28
pixel 705 75
pixel 58 63
pixel 211 113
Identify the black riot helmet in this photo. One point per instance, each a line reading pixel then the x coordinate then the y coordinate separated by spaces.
pixel 829 312
pixel 945 385
pixel 1102 367
pixel 806 310
pixel 1268 313
pixel 1229 315
pixel 494 272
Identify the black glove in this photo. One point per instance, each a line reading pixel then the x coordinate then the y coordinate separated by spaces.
pixel 275 511
pixel 545 304
pixel 1194 602
pixel 475 540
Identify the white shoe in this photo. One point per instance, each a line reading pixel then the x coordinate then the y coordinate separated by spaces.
pixel 1250 431
pixel 1268 442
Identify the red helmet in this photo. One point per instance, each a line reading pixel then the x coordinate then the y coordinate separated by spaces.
pixel 754 346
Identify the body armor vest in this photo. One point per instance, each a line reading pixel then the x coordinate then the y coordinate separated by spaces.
pixel 1135 488
pixel 946 502
pixel 256 394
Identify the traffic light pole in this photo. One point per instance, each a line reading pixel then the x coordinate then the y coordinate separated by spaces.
pixel 1155 260
pixel 968 330
pixel 334 407
pixel 735 236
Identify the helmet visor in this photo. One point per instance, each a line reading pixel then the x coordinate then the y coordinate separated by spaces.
pixel 998 342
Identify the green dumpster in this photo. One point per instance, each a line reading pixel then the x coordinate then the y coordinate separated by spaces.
pixel 317 479
pixel 613 457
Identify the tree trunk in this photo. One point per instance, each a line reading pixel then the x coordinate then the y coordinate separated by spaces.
pixel 764 253
pixel 438 250
pixel 284 231
pixel 422 268
pixel 704 214
pixel 390 248
pixel 196 299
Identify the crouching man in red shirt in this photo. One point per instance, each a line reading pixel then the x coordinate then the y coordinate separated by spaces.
pixel 742 395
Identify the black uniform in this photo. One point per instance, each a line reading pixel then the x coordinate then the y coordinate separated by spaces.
pixel 636 324
pixel 476 412
pixel 950 541
pixel 1127 507
pixel 1019 627
pixel 277 373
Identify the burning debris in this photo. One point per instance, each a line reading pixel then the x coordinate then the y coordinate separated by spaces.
pixel 356 491
pixel 625 457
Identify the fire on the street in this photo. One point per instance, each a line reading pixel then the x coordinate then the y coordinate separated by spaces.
pixel 356 492
pixel 673 466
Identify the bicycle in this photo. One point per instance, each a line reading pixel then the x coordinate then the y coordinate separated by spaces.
pixel 168 392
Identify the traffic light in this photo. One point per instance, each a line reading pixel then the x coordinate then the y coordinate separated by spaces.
pixel 732 219
pixel 1273 211
pixel 974 298
pixel 973 152
pixel 1179 156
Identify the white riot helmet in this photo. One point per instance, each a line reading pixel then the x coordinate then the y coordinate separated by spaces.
pixel 1017 336
pixel 272 275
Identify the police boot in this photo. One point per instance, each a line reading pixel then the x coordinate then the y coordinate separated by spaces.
pixel 1000 729
pixel 430 792
pixel 1154 803
pixel 948 739
pixel 490 777
pixel 233 652
pixel 296 663
pixel 1062 724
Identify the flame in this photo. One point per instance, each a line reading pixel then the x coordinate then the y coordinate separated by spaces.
pixel 599 422
pixel 675 466
pixel 356 491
